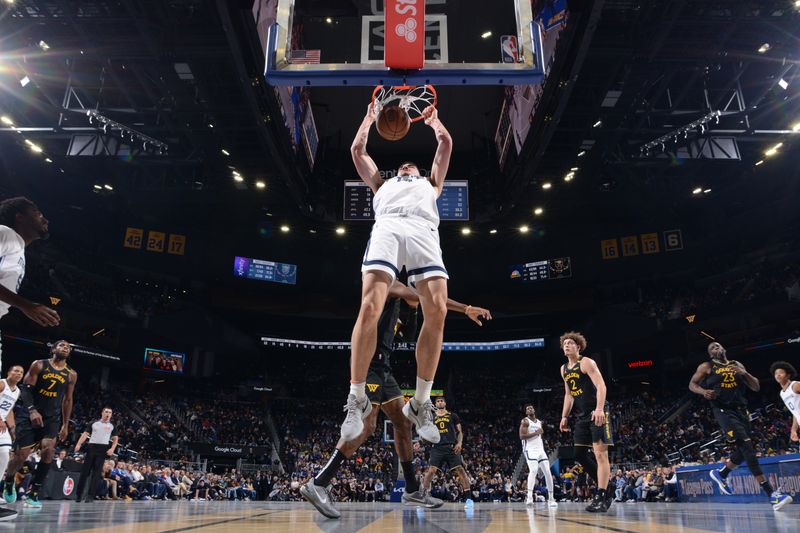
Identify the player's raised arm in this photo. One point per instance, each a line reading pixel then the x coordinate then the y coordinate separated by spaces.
pixel 365 166
pixel 441 161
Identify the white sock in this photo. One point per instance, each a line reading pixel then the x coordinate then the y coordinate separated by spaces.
pixel 357 389
pixel 423 392
pixel 548 478
pixel 3 460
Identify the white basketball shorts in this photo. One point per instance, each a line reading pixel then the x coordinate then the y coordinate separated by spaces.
pixel 534 456
pixel 5 438
pixel 405 241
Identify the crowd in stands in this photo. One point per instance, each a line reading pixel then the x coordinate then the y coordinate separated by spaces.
pixel 763 283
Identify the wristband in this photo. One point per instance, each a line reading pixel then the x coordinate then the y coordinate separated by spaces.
pixel 466 309
pixel 564 418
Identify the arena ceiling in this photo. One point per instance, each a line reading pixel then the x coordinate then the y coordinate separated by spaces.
pixel 187 73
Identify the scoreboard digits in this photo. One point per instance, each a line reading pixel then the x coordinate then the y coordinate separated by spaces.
pixel 453 203
pixel 542 270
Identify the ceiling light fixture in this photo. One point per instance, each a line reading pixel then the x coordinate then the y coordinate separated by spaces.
pixel 706 191
pixel 340 230
pixel 261 185
pixel 237 177
pixel 698 190
pixel 108 187
pixel 573 169
pixel 97 187
pixel 285 229
pixel 796 127
pixel 783 84
pixel 35 148
pixel 328 20
pixel 24 81
pixel 44 46
pixel 6 120
pixel 598 124
pixel 47 159
pixel 764 48
pixel 486 34
pixel 760 162
pixel 569 176
pixel 538 211
pixel 492 231
pixel 547 185
pixel 523 229
pixel 774 150
pixel 225 152
pixel 465 231
pixel 582 153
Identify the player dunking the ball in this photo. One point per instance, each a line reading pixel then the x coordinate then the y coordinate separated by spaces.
pixel 530 432
pixel 405 234
pixel 724 382
pixel 585 388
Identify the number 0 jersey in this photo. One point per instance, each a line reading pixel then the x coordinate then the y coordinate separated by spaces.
pixel 792 400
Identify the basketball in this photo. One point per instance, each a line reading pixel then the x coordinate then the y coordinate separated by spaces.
pixel 393 123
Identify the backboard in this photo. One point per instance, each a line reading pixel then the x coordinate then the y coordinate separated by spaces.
pixel 341 43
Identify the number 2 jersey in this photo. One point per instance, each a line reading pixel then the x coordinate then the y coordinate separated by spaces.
pixel 48 393
pixel 581 388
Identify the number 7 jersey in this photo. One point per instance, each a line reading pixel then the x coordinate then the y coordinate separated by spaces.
pixel 50 388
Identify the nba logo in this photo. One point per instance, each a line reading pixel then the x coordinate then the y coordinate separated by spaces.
pixel 69 485
pixel 509 49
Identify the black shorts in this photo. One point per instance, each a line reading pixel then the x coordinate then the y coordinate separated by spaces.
pixel 587 432
pixel 381 386
pixel 444 458
pixel 734 422
pixel 27 435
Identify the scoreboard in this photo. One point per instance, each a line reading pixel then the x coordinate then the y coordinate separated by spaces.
pixel 453 203
pixel 542 270
pixel 258 269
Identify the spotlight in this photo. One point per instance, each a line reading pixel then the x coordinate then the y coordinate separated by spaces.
pixel 598 124
pixel 523 229
pixel 35 148
pixel 47 159
pixel 225 152
pixel 759 162
pixel 492 231
pixel 340 230
pixel 538 211
pixel 783 84
pixel 285 229
pixel 261 185
pixel 465 231
pixel 582 153
pixel 796 127
pixel 486 34
pixel 547 185
pixel 97 187
pixel 6 120
pixel 238 178
pixel 328 20
pixel 698 190
pixel 24 81
pixel 573 169
pixel 569 176
pixel 764 48
pixel 108 187
pixel 44 46
pixel 774 150
pixel 706 191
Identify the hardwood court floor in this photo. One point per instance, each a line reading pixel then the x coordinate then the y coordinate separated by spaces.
pixel 263 517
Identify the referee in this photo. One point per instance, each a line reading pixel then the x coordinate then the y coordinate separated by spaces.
pixel 102 443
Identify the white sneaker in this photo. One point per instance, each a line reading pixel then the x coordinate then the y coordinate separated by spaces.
pixel 356 411
pixel 421 415
pixel 552 504
pixel 529 500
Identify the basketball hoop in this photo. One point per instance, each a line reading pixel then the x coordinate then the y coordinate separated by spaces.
pixel 412 99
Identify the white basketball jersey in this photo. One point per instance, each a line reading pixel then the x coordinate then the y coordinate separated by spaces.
pixel 792 400
pixel 406 196
pixel 7 399
pixel 533 444
pixel 12 262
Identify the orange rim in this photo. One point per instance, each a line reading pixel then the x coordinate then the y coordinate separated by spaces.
pixel 409 88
